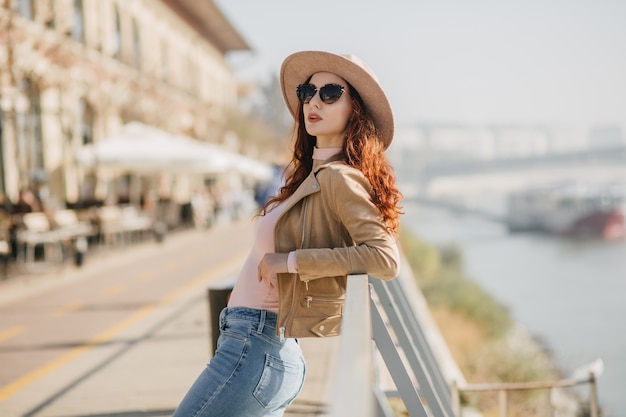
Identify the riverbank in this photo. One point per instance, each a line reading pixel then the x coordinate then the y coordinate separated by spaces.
pixel 484 340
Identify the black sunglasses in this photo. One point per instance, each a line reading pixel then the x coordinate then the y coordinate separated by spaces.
pixel 329 93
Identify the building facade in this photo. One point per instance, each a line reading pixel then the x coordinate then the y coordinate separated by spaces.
pixel 73 72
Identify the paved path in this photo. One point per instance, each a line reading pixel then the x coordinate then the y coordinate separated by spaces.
pixel 142 365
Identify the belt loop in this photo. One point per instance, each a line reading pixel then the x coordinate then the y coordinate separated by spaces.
pixel 261 321
pixel 222 318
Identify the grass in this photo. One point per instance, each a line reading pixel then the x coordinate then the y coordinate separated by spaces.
pixel 440 276
pixel 477 328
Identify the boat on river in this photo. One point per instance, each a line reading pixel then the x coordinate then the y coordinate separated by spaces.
pixel 573 209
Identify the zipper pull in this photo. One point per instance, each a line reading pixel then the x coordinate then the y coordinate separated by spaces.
pixel 308 301
pixel 281 332
pixel 306 284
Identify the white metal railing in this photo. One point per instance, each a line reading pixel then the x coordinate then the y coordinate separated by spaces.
pixel 380 310
pixel 407 352
pixel 384 311
pixel 354 372
pixel 503 390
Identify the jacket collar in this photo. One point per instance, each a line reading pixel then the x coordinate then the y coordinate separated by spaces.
pixel 310 185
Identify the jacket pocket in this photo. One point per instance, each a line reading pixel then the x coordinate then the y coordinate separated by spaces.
pixel 313 303
pixel 317 317
pixel 325 305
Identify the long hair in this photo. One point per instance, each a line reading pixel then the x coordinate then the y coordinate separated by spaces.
pixel 362 149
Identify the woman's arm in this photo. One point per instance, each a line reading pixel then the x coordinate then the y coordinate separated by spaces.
pixel 375 251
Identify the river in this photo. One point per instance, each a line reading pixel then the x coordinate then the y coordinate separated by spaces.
pixel 570 294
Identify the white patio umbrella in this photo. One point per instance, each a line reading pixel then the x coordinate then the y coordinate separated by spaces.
pixel 246 166
pixel 141 148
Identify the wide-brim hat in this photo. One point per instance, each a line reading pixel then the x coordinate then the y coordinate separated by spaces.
pixel 299 67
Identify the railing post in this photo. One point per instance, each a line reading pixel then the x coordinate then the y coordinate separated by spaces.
pixel 593 394
pixel 353 394
pixel 456 399
pixel 550 392
pixel 503 402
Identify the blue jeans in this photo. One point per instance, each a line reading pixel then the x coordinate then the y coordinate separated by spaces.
pixel 252 373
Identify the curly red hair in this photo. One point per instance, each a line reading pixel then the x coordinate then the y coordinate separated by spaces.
pixel 362 149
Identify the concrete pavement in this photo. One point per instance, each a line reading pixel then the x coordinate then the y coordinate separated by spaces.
pixel 142 366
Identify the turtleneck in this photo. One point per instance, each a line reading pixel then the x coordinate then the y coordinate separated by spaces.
pixel 322 154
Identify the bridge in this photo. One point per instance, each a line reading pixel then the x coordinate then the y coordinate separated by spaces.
pixel 428 171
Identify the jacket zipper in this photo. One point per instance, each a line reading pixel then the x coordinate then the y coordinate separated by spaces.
pixel 281 330
pixel 310 299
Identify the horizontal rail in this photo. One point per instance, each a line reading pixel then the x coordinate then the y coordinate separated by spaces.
pixel 519 386
pixel 504 387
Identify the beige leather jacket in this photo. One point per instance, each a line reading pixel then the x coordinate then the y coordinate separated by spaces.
pixel 336 230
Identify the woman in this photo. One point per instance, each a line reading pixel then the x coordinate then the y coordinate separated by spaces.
pixel 337 214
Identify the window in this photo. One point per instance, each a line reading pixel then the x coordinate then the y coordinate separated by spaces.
pixel 25 8
pixel 165 69
pixel 30 152
pixel 117 41
pixel 48 14
pixel 3 192
pixel 99 29
pixel 86 121
pixel 78 22
pixel 192 75
pixel 136 45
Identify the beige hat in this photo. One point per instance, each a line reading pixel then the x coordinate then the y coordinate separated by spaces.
pixel 298 67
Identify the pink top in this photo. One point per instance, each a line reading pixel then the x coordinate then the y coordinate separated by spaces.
pixel 323 154
pixel 248 291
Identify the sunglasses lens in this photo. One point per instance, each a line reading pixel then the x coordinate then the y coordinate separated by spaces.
pixel 331 93
pixel 328 93
pixel 305 92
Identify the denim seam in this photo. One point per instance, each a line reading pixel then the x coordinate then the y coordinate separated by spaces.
pixel 228 381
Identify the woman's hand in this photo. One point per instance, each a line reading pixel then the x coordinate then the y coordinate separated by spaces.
pixel 270 265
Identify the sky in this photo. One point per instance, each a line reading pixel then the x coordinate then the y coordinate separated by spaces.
pixel 557 62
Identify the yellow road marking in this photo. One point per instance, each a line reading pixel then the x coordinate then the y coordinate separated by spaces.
pixel 68 308
pixel 11 332
pixel 110 333
pixel 103 337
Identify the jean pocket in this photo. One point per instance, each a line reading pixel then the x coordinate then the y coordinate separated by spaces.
pixel 280 382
